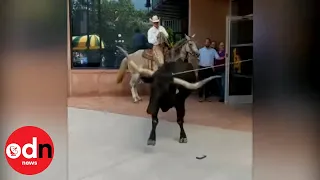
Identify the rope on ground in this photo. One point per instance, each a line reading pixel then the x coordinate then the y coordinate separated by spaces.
pixel 199 69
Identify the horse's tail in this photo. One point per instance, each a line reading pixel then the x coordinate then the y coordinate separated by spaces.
pixel 122 70
pixel 123 67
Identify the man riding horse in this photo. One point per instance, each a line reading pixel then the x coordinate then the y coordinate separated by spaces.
pixel 153 38
pixel 154 58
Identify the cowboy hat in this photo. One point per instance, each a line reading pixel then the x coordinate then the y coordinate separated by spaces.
pixel 155 19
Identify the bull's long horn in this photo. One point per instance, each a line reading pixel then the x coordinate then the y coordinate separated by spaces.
pixel 133 64
pixel 193 86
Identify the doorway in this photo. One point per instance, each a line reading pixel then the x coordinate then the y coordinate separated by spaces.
pixel 239 60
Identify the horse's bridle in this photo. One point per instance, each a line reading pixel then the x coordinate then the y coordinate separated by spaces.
pixel 189 53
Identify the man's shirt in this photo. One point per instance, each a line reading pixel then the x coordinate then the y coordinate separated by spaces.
pixel 153 33
pixel 207 56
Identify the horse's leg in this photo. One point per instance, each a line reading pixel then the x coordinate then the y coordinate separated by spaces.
pixel 138 80
pixel 155 121
pixel 180 109
pixel 133 84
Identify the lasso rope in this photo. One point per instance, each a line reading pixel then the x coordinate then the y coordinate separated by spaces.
pixel 199 69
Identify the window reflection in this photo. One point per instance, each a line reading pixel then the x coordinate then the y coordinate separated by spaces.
pixel 97 26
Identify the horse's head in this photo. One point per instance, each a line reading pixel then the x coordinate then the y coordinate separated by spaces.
pixel 191 46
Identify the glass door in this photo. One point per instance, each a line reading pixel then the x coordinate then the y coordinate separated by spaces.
pixel 239 60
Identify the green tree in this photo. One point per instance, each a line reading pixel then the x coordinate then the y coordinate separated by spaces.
pixel 171 37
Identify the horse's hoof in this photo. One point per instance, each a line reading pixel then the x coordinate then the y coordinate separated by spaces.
pixel 140 99
pixel 183 140
pixel 135 101
pixel 151 142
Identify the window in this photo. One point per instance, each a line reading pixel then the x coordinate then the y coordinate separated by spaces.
pixel 97 26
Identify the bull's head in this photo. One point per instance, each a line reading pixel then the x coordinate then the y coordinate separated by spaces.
pixel 149 73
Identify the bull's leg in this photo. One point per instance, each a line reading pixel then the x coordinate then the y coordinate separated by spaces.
pixel 180 108
pixel 152 137
pixel 133 84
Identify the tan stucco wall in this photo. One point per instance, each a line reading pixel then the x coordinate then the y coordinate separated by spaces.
pixel 101 82
pixel 207 18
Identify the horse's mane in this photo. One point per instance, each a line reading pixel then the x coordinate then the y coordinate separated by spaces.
pixel 176 49
pixel 162 38
pixel 178 45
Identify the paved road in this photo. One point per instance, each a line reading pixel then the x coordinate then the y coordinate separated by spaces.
pixel 106 146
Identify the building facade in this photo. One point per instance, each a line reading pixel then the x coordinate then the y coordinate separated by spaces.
pixel 205 18
pixel 220 20
pixel 227 21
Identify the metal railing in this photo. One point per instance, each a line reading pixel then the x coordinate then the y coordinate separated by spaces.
pixel 174 24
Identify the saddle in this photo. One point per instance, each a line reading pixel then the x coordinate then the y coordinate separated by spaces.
pixel 148 54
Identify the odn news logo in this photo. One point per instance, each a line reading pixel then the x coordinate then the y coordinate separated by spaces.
pixel 29 150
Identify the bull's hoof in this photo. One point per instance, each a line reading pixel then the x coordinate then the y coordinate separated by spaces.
pixel 151 142
pixel 183 140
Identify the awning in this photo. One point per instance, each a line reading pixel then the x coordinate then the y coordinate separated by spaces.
pixel 80 42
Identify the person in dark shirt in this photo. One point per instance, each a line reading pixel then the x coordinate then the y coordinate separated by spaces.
pixel 140 41
pixel 220 70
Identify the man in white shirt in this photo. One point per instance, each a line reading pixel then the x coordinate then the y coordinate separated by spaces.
pixel 153 33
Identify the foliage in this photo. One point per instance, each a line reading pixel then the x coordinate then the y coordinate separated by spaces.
pixel 171 37
pixel 116 17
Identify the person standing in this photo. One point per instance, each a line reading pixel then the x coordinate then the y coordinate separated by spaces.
pixel 206 61
pixel 153 33
pixel 140 41
pixel 220 70
pixel 214 45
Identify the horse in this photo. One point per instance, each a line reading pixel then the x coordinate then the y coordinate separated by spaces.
pixel 183 48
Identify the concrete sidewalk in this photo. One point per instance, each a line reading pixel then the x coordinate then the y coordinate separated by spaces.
pixel 106 146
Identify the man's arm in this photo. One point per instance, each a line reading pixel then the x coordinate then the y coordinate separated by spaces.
pixel 164 31
pixel 216 55
pixel 151 37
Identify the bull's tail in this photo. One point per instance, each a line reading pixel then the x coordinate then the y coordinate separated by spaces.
pixel 123 67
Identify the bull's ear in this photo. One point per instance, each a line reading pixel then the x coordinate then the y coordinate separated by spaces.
pixel 193 35
pixel 187 37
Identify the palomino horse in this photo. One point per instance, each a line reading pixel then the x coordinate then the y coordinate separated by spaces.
pixel 183 49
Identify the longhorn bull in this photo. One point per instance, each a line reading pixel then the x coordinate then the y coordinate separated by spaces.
pixel 169 90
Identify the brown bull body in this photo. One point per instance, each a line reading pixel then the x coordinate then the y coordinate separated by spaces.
pixel 164 93
pixel 169 91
